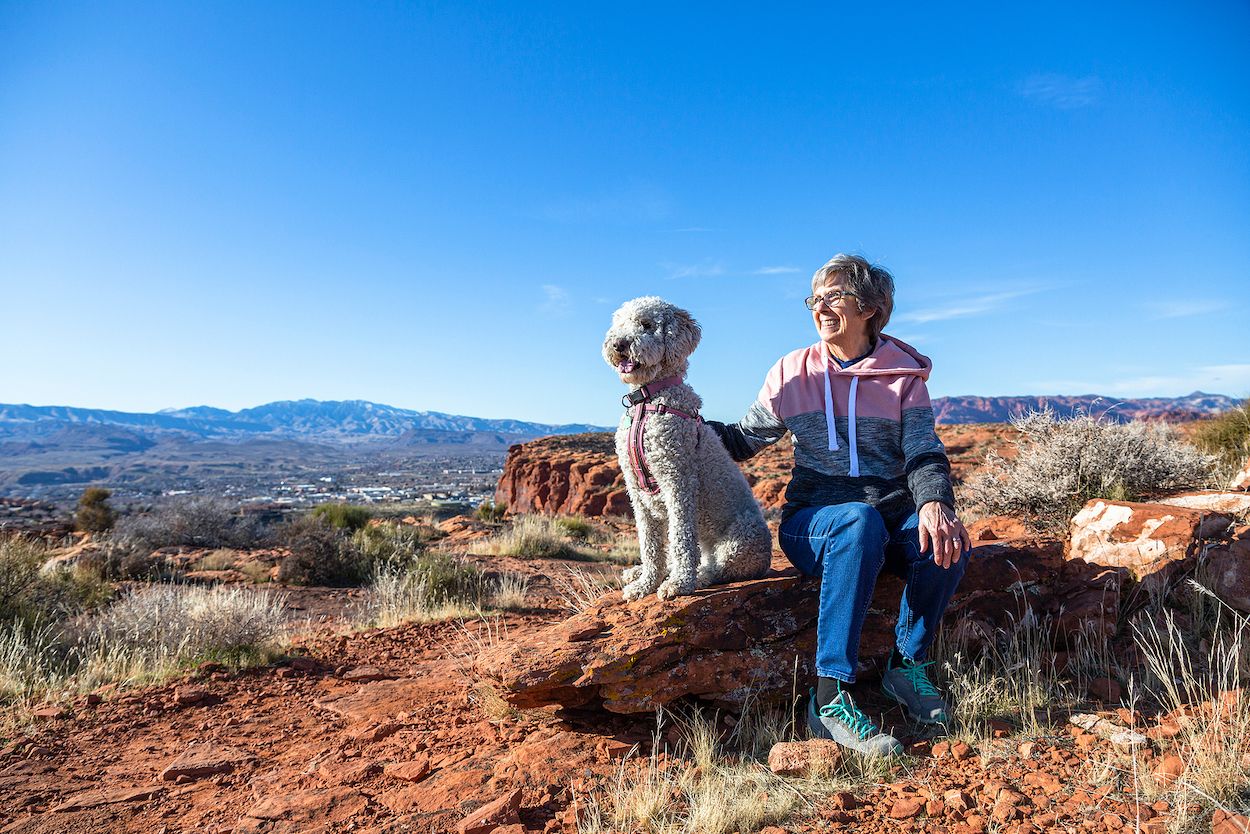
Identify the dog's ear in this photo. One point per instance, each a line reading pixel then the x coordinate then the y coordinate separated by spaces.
pixel 683 333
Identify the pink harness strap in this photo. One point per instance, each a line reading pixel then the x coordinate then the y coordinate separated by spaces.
pixel 637 453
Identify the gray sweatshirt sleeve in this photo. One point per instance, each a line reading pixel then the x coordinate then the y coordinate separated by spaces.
pixel 759 428
pixel 926 465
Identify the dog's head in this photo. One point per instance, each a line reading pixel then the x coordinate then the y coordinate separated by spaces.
pixel 650 339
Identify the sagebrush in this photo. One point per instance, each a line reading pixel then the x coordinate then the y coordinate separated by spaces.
pixel 1063 463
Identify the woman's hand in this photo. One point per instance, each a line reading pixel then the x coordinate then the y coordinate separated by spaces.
pixel 941 530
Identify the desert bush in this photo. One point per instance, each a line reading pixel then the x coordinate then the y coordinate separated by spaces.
pixel 94 515
pixel 33 596
pixel 388 544
pixel 490 511
pixel 156 630
pixel 344 516
pixel 320 554
pixel 574 527
pixel 536 537
pixel 434 586
pixel 187 521
pixel 144 636
pixel 1227 437
pixel 579 590
pixel 1063 463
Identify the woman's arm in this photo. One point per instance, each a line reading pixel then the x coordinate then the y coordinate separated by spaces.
pixel 929 479
pixel 759 428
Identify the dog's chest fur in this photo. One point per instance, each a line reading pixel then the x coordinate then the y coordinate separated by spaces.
pixel 664 438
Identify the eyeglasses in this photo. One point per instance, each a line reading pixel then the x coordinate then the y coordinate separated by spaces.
pixel 829 299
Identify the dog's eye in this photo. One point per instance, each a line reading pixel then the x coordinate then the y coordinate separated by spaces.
pixel 646 325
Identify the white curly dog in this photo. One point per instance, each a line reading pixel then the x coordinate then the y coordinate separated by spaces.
pixel 698 523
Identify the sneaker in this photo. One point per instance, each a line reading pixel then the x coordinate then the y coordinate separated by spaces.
pixel 909 684
pixel 843 722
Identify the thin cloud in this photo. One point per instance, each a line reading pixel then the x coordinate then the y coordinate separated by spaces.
pixel 776 270
pixel 703 270
pixel 1062 91
pixel 1183 309
pixel 962 308
pixel 556 301
pixel 632 205
pixel 1228 379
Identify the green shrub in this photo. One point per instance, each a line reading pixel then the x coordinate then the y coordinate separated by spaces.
pixel 94 514
pixel 321 554
pixel 537 537
pixel 29 594
pixel 575 527
pixel 490 511
pixel 344 516
pixel 1227 437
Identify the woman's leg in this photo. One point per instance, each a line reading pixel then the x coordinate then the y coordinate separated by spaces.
pixel 844 544
pixel 927 591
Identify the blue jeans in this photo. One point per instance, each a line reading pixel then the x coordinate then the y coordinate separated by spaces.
pixel 847 545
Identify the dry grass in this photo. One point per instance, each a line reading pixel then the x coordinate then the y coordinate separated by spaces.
pixel 434 587
pixel 1063 463
pixel 541 537
pixel 699 788
pixel 145 636
pixel 579 589
pixel 510 591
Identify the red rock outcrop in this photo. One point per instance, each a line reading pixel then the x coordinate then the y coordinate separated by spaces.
pixel 732 642
pixel 579 474
pixel 1149 540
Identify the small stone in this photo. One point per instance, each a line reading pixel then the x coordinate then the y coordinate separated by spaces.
pixel 413 771
pixel 958 800
pixel 375 732
pixel 1112 822
pixel 906 808
pixel 1025 749
pixel 843 801
pixel 365 674
pixel 1168 770
pixel 960 750
pixel 503 811
pixel 200 760
pixel 999 728
pixel 187 695
pixel 816 756
pixel 941 749
pixel 50 712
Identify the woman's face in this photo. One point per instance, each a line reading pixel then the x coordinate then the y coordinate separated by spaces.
pixel 841 323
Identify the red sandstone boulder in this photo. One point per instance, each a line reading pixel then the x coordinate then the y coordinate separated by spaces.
pixel 1242 479
pixel 1149 540
pixel 745 640
pixel 200 760
pixel 1228 571
pixel 1225 503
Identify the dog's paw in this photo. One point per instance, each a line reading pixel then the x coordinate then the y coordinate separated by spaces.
pixel 671 589
pixel 635 591
pixel 630 574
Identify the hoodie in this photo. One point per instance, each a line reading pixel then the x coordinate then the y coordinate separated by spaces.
pixel 861 433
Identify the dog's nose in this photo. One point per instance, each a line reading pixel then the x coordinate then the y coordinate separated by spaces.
pixel 622 345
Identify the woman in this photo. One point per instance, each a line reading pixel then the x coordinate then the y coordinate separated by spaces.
pixel 870 488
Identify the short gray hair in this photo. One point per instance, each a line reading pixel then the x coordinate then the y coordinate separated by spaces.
pixel 872 285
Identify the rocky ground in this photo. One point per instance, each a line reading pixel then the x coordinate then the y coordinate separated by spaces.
pixel 529 720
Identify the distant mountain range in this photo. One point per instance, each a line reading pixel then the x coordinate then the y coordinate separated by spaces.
pixel 354 420
pixel 1001 409
pixel 345 420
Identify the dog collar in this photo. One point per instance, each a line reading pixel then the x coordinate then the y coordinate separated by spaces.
pixel 646 392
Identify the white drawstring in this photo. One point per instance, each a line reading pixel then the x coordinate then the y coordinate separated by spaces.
pixel 832 424
pixel 829 419
pixel 850 430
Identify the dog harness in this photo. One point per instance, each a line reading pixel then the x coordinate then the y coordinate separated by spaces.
pixel 640 407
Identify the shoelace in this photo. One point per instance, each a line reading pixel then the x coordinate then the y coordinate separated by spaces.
pixel 919 679
pixel 851 717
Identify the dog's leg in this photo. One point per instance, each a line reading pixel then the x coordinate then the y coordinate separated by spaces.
pixel 646 577
pixel 683 541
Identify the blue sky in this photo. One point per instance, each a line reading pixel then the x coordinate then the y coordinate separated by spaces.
pixel 437 206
